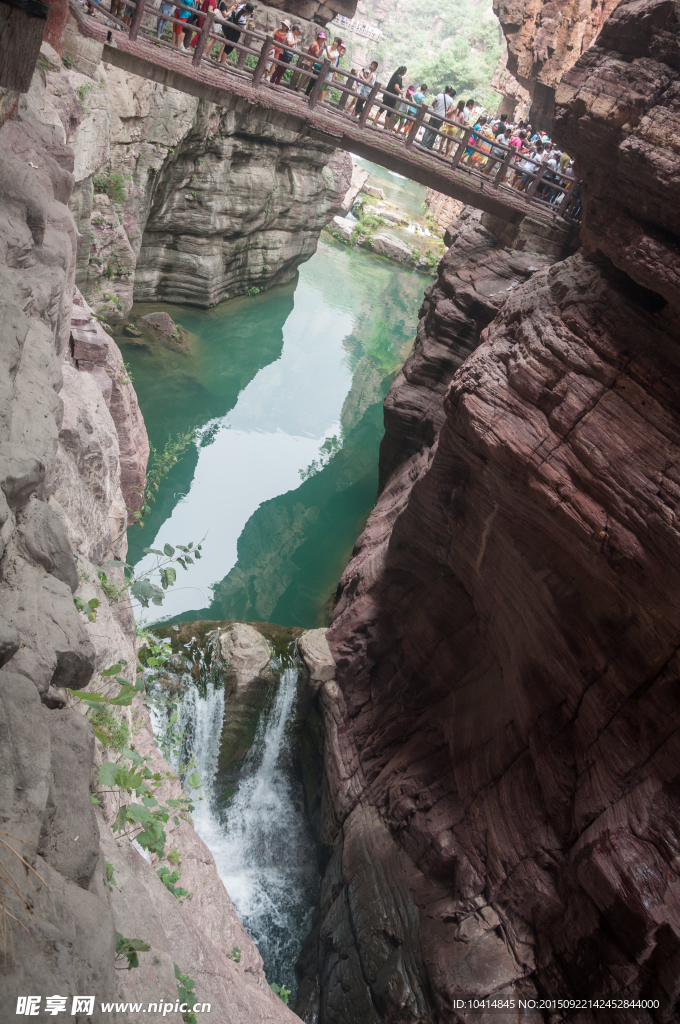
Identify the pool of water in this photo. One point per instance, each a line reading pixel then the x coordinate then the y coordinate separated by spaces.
pixel 408 194
pixel 285 392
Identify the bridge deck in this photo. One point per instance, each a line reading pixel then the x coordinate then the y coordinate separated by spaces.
pixel 322 122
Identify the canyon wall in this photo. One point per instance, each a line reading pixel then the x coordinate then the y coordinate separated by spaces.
pixel 502 739
pixel 73 453
pixel 544 40
pixel 176 199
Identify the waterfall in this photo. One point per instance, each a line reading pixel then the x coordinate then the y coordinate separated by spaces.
pixel 261 841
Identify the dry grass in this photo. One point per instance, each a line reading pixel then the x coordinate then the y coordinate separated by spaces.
pixel 6 880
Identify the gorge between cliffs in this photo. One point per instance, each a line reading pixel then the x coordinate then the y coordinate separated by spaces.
pixel 375 718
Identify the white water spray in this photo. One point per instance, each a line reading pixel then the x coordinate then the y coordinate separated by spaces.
pixel 262 842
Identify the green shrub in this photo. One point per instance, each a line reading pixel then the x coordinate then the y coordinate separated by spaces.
pixel 109 728
pixel 113 186
pixel 169 879
pixel 186 990
pixel 281 991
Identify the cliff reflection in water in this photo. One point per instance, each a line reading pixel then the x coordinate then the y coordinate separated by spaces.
pixel 286 390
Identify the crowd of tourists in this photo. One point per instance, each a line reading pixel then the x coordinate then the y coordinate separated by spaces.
pixel 397 108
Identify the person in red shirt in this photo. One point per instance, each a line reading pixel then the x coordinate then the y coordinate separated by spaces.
pixel 319 51
pixel 195 19
pixel 280 36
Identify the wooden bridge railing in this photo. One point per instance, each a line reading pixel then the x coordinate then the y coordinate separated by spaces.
pixel 336 88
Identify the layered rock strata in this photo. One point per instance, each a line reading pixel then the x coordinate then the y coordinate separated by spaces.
pixel 544 41
pixel 72 454
pixel 502 746
pixel 179 200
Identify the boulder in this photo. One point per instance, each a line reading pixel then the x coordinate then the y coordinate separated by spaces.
pixel 246 651
pixel 163 323
pixel 342 227
pixel 316 655
pixel 373 190
pixel 359 179
pixel 392 248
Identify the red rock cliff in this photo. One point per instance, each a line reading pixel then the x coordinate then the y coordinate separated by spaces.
pixel 503 737
pixel 545 39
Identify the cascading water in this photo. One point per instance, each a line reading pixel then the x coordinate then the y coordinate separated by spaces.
pixel 261 841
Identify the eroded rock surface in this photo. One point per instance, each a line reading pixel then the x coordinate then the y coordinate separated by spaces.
pixel 502 735
pixel 544 40
pixel 179 200
pixel 73 453
pixel 317 655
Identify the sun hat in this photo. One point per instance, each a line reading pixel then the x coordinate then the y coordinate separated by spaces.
pixel 297 28
pixel 285 22
pixel 320 35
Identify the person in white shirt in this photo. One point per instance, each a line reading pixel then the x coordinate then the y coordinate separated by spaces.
pixel 469 114
pixel 368 76
pixel 443 106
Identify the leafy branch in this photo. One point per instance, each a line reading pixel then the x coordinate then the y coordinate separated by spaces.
pixel 144 818
pixel 160 464
pixel 186 991
pixel 127 949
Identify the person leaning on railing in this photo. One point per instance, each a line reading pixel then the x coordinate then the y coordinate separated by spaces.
pixel 197 20
pixel 335 55
pixel 367 76
pixel 178 30
pixel 319 51
pixel 165 9
pixel 276 50
pixel 442 106
pixel 390 97
pixel 232 19
pixel 291 39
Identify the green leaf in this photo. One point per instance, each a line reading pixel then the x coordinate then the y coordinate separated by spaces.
pixel 95 800
pixel 194 780
pixel 106 774
pixel 168 550
pixel 102 736
pixel 152 551
pixel 168 577
pixel 119 823
pixel 125 697
pixel 189 560
pixel 182 563
pixel 129 779
pixel 109 873
pixel 114 669
pixel 93 699
pixel 142 591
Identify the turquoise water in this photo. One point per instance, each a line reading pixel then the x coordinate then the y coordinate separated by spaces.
pixel 266 382
pixel 409 195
